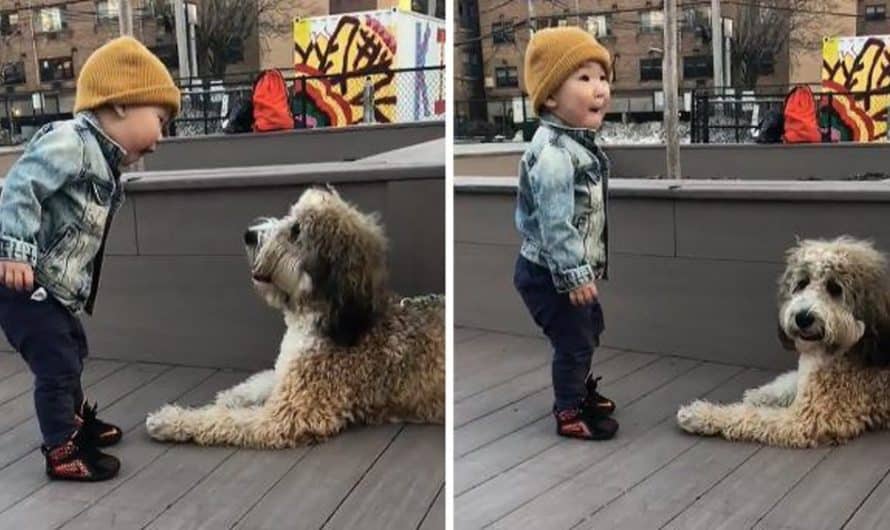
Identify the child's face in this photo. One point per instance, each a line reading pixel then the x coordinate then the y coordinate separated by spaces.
pixel 582 99
pixel 138 128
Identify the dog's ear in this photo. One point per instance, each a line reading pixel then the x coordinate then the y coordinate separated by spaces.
pixel 347 301
pixel 874 346
pixel 786 341
pixel 792 259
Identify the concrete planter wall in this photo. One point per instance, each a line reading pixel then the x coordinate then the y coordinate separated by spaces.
pixel 286 147
pixel 713 161
pixel 693 265
pixel 175 285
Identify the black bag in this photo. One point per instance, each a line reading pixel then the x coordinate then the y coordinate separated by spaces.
pixel 771 127
pixel 240 118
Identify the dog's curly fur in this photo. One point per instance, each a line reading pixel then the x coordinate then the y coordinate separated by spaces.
pixel 352 352
pixel 834 311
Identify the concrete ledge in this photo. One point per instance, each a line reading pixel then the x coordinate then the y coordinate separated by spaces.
pixel 334 144
pixel 704 161
pixel 694 264
pixel 176 286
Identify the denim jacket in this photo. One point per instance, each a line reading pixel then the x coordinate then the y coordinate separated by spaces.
pixel 561 204
pixel 56 207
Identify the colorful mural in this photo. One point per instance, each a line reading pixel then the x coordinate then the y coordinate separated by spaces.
pixel 851 66
pixel 341 55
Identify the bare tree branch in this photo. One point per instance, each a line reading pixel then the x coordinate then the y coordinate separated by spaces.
pixel 765 29
pixel 226 25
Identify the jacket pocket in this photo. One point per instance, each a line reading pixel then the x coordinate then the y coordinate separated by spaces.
pixel 56 242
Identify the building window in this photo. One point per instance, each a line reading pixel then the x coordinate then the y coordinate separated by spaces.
pixel 875 12
pixel 651 21
pixel 56 69
pixel 108 10
pixel 468 11
pixel 766 66
pixel 650 69
pixel 50 20
pixel 167 53
pixel 698 66
pixel 502 32
pixel 12 73
pixel 599 26
pixel 9 24
pixel 505 77
pixel 235 51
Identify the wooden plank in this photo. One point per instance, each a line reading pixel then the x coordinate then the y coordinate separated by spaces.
pixel 521 386
pixel 874 513
pixel 25 437
pixel 435 517
pixel 846 476
pixel 492 359
pixel 743 496
pixel 15 385
pixel 480 465
pixel 26 475
pixel 657 479
pixel 508 491
pixel 398 490
pixel 148 492
pixel 57 502
pixel 463 334
pixel 11 363
pixel 228 492
pixel 321 481
pixel 19 409
pixel 494 426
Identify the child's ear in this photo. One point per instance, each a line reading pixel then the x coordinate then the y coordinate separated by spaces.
pixel 550 103
pixel 120 111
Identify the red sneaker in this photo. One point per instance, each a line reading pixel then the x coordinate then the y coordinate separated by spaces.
pixel 79 460
pixel 574 423
pixel 103 434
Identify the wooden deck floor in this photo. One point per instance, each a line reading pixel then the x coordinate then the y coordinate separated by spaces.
pixel 383 477
pixel 512 471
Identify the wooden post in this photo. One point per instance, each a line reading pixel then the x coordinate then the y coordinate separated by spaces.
pixel 670 79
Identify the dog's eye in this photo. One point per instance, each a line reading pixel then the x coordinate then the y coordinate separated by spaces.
pixel 834 288
pixel 802 284
pixel 294 231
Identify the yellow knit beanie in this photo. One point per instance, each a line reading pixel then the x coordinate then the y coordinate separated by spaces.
pixel 553 54
pixel 125 72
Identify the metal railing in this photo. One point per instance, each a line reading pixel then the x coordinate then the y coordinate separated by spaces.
pixel 734 116
pixel 18 114
pixel 315 101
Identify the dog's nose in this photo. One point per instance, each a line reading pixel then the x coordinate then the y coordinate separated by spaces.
pixel 250 237
pixel 804 319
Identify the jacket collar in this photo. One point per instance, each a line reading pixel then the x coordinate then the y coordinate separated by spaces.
pixel 111 150
pixel 585 137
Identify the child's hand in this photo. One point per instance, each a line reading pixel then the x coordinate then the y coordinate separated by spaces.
pixel 584 295
pixel 17 275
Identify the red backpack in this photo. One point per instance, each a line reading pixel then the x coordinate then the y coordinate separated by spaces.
pixel 800 117
pixel 271 110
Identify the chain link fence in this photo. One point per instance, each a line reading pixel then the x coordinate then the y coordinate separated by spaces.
pixel 735 116
pixel 391 96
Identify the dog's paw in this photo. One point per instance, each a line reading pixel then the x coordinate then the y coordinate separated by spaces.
pixel 231 399
pixel 697 418
pixel 757 398
pixel 167 424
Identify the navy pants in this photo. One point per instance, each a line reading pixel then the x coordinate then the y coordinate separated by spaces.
pixel 573 330
pixel 52 342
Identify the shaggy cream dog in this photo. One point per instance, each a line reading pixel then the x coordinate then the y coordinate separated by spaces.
pixel 352 352
pixel 834 310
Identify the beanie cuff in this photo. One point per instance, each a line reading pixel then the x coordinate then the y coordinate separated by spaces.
pixel 563 68
pixel 163 95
